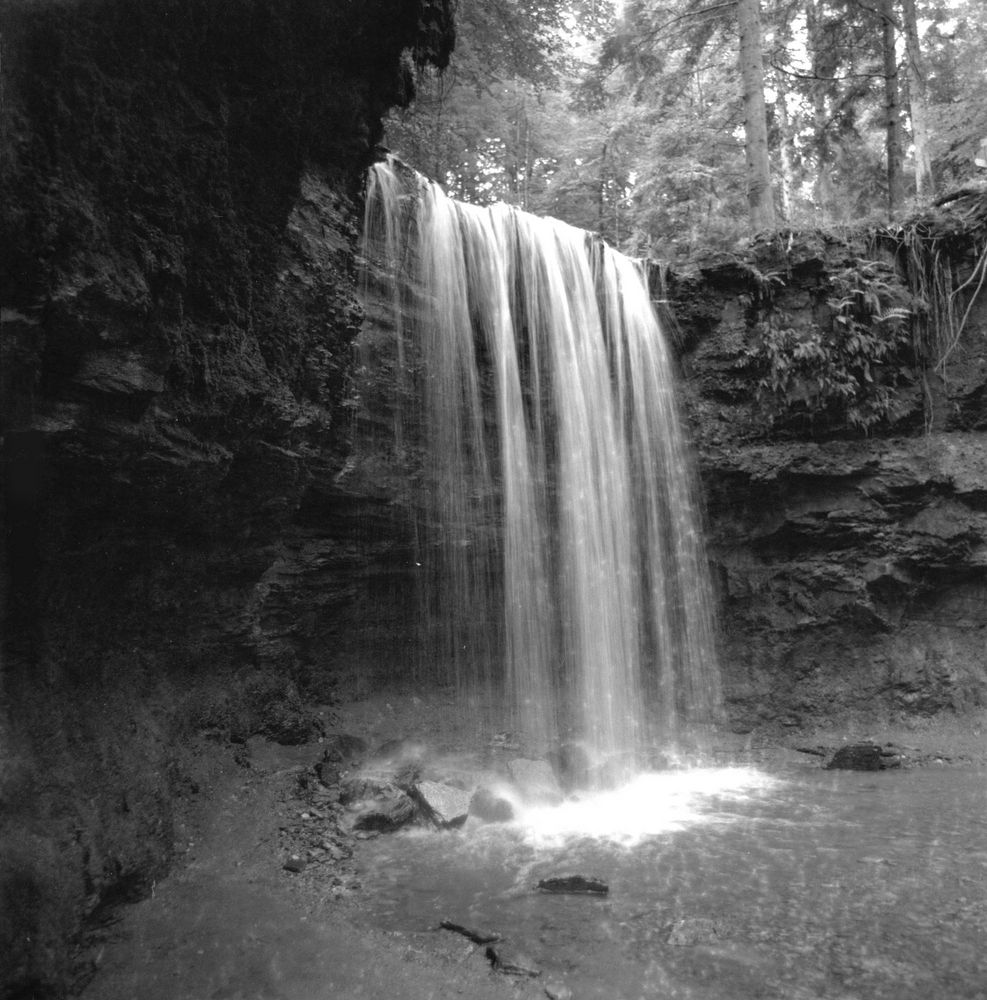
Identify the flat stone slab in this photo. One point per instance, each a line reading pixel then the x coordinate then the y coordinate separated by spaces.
pixel 444 805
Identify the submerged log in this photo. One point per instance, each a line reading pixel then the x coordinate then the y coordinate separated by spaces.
pixel 575 885
pixel 476 936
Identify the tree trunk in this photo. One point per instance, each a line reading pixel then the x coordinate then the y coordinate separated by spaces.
pixel 514 169
pixel 918 104
pixel 822 187
pixel 759 194
pixel 892 108
pixel 785 153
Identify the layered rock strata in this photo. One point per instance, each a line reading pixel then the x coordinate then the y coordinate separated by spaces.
pixel 177 190
pixel 851 568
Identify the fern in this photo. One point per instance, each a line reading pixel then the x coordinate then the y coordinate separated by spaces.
pixel 842 375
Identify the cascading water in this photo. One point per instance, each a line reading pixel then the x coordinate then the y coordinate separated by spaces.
pixel 559 529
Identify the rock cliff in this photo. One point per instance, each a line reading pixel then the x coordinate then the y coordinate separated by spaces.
pixel 851 566
pixel 177 187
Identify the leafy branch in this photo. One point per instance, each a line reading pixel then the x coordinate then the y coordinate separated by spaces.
pixel 844 374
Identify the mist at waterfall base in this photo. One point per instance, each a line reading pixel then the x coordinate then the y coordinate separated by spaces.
pixel 561 561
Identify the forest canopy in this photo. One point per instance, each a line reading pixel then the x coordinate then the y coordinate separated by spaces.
pixel 634 119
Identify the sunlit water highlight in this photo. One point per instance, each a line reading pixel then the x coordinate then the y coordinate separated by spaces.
pixel 647 805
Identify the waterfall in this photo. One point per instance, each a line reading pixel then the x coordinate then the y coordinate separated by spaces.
pixel 561 555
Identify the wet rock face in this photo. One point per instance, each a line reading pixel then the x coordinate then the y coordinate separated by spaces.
pixel 852 573
pixel 177 307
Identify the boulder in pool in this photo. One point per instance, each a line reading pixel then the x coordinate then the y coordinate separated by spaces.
pixel 443 805
pixel 489 807
pixel 865 757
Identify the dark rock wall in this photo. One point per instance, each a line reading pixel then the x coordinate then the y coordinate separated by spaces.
pixel 851 569
pixel 178 295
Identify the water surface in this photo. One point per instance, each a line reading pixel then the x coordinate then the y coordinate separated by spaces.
pixel 808 884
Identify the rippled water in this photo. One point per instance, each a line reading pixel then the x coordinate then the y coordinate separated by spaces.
pixel 811 884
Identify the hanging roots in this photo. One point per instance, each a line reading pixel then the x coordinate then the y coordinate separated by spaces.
pixel 931 251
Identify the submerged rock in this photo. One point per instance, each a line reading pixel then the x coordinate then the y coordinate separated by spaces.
pixel 865 757
pixel 856 757
pixel 443 805
pixel 506 959
pixel 490 807
pixel 579 885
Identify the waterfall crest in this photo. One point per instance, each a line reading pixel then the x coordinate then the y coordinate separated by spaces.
pixel 559 529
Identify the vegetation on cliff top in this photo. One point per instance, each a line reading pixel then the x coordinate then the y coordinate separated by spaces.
pixel 887 320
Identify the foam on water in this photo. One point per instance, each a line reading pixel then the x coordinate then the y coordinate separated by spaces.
pixel 649 804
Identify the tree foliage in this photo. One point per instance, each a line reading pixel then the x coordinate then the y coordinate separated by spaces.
pixel 492 126
pixel 632 124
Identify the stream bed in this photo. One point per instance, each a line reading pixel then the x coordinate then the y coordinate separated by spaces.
pixel 723 885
